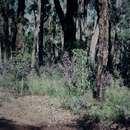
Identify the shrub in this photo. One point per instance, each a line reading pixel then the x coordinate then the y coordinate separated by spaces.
pixel 77 103
pixel 79 72
pixel 14 73
pixel 115 107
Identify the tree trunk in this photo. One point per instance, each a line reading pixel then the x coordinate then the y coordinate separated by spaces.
pixel 20 27
pixel 94 42
pixel 82 22
pixel 41 8
pixel 0 53
pixel 69 34
pixel 1 35
pixel 6 31
pixel 68 23
pixel 12 28
pixel 7 28
pixel 37 56
pixel 102 48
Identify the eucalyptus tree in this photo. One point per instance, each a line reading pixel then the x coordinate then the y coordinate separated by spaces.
pixel 1 30
pixel 20 26
pixel 7 28
pixel 102 47
pixel 68 22
pixel 81 22
pixel 43 8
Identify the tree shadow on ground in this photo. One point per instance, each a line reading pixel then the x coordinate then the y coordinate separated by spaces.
pixel 82 124
pixel 10 125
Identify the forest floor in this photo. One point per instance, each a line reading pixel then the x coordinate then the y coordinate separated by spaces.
pixel 38 113
pixel 33 113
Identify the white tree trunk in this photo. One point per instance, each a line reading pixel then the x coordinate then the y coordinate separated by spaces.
pixel 94 42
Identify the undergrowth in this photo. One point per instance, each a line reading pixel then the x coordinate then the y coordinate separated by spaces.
pixel 76 95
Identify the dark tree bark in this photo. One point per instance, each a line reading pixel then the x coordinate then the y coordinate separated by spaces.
pixel 7 29
pixel 6 45
pixel 21 8
pixel 68 22
pixel 12 28
pixel 41 33
pixel 102 47
pixel 1 36
pixel 20 26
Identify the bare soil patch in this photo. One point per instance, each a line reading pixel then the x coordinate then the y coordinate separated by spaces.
pixel 33 110
pixel 43 113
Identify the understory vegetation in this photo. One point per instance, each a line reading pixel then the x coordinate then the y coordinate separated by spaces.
pixel 71 84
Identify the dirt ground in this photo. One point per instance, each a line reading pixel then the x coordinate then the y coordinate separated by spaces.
pixel 33 111
pixel 41 113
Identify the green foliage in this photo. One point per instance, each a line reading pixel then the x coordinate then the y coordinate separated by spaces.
pixel 77 103
pixel 14 73
pixel 22 61
pixel 81 68
pixel 124 56
pixel 1 5
pixel 29 42
pixel 50 83
pixel 21 71
pixel 46 86
pixel 115 107
pixel 82 72
pixel 47 7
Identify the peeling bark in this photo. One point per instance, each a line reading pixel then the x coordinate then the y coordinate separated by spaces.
pixel 94 42
pixel 102 47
